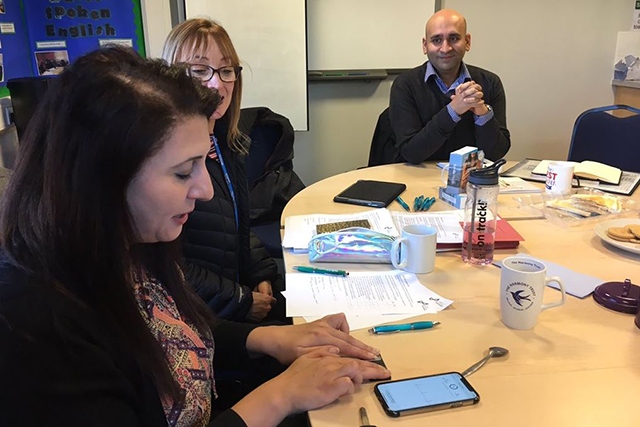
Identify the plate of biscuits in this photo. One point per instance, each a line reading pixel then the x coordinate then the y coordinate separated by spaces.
pixel 621 233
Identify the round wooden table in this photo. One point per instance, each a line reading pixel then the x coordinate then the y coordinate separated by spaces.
pixel 580 365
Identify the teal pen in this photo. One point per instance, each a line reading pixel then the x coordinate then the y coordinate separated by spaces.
pixel 417 202
pixel 305 269
pixel 428 202
pixel 415 326
pixel 431 203
pixel 403 204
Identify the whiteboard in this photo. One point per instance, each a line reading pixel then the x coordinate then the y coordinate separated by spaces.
pixel 270 38
pixel 366 34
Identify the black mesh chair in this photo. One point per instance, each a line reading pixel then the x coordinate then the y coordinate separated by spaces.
pixel 605 138
pixel 26 93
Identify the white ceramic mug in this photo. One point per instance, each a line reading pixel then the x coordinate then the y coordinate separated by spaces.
pixel 559 177
pixel 415 250
pixel 522 283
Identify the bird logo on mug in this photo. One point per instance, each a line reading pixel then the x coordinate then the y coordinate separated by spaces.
pixel 520 296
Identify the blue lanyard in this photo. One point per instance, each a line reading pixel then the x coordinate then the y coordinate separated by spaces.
pixel 227 179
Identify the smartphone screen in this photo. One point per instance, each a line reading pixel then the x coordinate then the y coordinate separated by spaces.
pixel 428 393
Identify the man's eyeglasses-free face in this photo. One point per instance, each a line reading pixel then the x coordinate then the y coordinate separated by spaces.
pixel 204 73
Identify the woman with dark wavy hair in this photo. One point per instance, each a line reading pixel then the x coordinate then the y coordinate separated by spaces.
pixel 96 324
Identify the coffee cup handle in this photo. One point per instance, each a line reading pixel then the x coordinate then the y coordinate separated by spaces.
pixel 442 174
pixel 395 254
pixel 556 279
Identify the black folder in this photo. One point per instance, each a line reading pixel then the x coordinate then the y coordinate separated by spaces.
pixel 377 194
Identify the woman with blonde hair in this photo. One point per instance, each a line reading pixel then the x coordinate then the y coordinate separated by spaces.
pixel 224 262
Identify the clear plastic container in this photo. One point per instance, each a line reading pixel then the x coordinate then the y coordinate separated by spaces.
pixel 480 215
pixel 583 207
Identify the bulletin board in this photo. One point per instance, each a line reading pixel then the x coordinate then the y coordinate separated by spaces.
pixel 41 37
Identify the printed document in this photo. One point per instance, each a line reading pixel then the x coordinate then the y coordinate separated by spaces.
pixel 360 293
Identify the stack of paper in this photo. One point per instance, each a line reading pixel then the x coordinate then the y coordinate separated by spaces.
pixel 365 298
pixel 299 229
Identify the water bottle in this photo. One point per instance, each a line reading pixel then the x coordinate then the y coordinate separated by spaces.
pixel 480 213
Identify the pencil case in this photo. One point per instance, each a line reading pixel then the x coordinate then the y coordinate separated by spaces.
pixel 354 244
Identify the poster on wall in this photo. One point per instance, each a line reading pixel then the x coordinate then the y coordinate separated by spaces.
pixel 62 30
pixel 51 34
pixel 15 58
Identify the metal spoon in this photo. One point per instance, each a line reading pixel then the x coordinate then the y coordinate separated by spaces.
pixel 493 352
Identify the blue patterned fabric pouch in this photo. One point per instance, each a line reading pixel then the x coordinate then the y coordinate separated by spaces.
pixel 355 244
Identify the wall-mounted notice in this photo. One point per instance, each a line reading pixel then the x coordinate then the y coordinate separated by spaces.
pixel 41 37
pixel 635 24
pixel 15 60
pixel 62 30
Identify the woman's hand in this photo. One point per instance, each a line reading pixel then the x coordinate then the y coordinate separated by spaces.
pixel 264 288
pixel 287 343
pixel 312 381
pixel 261 306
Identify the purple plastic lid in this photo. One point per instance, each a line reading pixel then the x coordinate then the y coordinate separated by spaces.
pixel 618 296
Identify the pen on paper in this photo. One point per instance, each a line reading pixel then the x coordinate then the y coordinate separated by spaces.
pixel 404 204
pixel 415 326
pixel 315 270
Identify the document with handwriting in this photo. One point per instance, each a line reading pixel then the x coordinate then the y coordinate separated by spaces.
pixel 360 293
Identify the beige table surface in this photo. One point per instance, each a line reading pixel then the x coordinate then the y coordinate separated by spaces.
pixel 580 365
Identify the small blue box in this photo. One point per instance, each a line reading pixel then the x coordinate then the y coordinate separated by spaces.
pixel 455 200
pixel 461 162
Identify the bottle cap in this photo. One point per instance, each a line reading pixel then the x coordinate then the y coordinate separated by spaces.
pixel 618 296
pixel 488 175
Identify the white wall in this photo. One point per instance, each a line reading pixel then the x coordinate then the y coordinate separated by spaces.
pixel 156 20
pixel 555 59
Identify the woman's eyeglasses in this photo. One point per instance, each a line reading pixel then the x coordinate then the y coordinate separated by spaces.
pixel 204 72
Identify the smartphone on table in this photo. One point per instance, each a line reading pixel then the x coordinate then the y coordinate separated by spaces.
pixel 425 394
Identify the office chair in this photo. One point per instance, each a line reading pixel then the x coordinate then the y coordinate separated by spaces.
pixel 383 149
pixel 605 138
pixel 26 93
pixel 269 166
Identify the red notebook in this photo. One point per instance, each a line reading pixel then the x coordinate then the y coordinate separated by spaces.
pixel 506 238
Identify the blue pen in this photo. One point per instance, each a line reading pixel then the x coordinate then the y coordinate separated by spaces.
pixel 415 326
pixel 425 204
pixel 417 202
pixel 403 204
pixel 428 203
pixel 316 270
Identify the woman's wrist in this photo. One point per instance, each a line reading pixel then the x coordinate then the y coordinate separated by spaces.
pixel 266 406
pixel 261 340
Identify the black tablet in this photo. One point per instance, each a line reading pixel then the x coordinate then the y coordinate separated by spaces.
pixel 377 194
